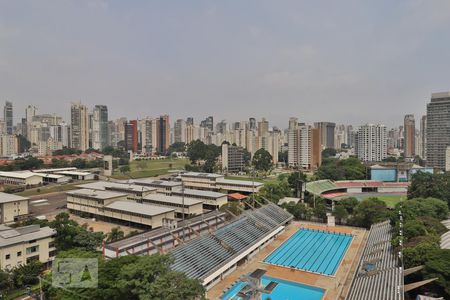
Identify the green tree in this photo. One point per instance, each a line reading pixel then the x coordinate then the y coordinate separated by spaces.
pixel 417 255
pixel 262 161
pixel 329 152
pixel 295 180
pixel 124 169
pixel 370 211
pixel 349 203
pixel 6 282
pixel 426 185
pixel 438 265
pixel 274 191
pixel 114 235
pixel 340 213
pixel 27 274
pixel 345 169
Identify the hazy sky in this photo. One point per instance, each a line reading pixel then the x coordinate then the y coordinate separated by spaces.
pixel 343 61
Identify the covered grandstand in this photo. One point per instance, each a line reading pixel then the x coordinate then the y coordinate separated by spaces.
pixel 213 256
pixel 379 275
pixel 331 189
pixel 445 238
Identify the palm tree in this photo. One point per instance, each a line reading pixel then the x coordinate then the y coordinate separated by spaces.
pixel 114 235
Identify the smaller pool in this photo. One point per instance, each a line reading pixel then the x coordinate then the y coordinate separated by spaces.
pixel 285 290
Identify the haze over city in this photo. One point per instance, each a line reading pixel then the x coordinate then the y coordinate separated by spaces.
pixel 368 62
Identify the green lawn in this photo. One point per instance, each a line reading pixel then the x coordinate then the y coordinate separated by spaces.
pixel 390 200
pixel 150 168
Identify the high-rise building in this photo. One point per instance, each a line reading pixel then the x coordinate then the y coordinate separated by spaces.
pixel 371 142
pixel 131 135
pixel 232 158
pixel 263 127
pixel 30 112
pixel 437 129
pixel 8 117
pixel 221 127
pixel 163 133
pixel 180 131
pixel 252 123
pixel 423 136
pixel 304 146
pixel 326 133
pixel 190 121
pixel 100 130
pixel 208 123
pixel 79 126
pixel 409 133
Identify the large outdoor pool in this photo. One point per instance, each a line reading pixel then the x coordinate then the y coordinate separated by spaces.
pixel 285 290
pixel 312 250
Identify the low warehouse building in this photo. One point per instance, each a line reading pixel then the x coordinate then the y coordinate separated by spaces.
pixel 77 175
pixel 130 189
pixel 26 178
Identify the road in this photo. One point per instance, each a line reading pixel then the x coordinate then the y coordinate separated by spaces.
pixel 56 204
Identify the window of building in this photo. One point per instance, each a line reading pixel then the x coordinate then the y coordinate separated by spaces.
pixel 19 253
pixel 32 249
pixel 7 256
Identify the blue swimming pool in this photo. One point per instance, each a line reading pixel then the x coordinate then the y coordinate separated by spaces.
pixel 285 290
pixel 312 250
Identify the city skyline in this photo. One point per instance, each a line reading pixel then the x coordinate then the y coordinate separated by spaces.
pixel 270 60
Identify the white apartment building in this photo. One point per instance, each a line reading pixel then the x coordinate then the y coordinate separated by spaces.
pixel 371 142
pixel 19 246
pixel 12 208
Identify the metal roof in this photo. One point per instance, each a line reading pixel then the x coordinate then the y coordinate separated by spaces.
pixel 96 194
pixel 5 198
pixel 203 175
pixel 19 175
pixel 24 234
pixel 172 199
pixel 155 182
pixel 240 182
pixel 103 185
pixel 201 193
pixel 139 208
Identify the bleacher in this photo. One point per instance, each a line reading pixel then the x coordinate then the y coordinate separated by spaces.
pixel 204 255
pixel 379 275
pixel 320 186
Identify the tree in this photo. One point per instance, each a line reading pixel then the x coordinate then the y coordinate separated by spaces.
pixel 329 152
pixel 345 169
pixel 426 185
pixel 295 180
pixel 262 161
pixel 124 169
pixel 176 147
pixel 27 274
pixel 283 156
pixel 370 211
pixel 6 282
pixel 274 191
pixel 349 204
pixel 114 235
pixel 438 265
pixel 340 213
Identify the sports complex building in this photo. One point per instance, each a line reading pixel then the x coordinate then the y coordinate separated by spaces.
pixel 291 260
pixel 359 189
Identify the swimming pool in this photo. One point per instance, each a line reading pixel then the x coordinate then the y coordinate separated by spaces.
pixel 312 250
pixel 285 290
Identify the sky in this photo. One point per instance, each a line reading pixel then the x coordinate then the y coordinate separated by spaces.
pixel 350 62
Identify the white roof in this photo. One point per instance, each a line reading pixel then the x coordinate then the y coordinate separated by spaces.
pixel 240 182
pixel 198 174
pixel 139 208
pixel 48 175
pixel 96 194
pixel 24 234
pixel 55 170
pixel 192 192
pixel 78 173
pixel 287 200
pixel 20 175
pixel 155 182
pixel 5 198
pixel 103 185
pixel 172 199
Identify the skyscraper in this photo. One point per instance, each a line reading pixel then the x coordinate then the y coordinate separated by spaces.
pixel 30 112
pixel 252 123
pixel 371 144
pixel 208 123
pixel 131 135
pixel 180 131
pixel 437 129
pixel 163 133
pixel 8 117
pixel 263 127
pixel 409 133
pixel 304 146
pixel 79 126
pixel 423 136
pixel 326 133
pixel 100 131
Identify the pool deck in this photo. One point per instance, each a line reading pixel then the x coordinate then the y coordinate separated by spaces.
pixel 336 287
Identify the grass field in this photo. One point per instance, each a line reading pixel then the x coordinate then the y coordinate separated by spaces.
pixel 151 168
pixel 390 200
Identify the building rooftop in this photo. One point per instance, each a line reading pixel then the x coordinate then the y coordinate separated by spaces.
pixel 23 234
pixel 200 193
pixel 78 173
pixel 96 194
pixel 55 170
pixel 6 198
pixel 172 199
pixel 240 182
pixel 19 175
pixel 49 175
pixel 155 182
pixel 103 185
pixel 139 208
pixel 202 175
